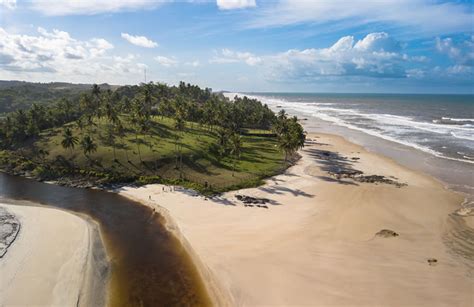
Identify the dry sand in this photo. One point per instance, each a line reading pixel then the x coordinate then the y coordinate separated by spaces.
pixel 316 245
pixel 47 263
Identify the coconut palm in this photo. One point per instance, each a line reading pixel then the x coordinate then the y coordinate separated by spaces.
pixel 179 126
pixel 69 140
pixel 120 130
pixel 235 149
pixel 110 135
pixel 88 146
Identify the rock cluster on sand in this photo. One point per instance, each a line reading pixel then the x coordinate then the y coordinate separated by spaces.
pixel 9 228
pixel 252 200
pixel 359 176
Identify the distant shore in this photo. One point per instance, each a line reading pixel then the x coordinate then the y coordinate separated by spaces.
pixel 50 262
pixel 322 233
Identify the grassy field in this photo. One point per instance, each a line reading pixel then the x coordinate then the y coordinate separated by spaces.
pixel 202 163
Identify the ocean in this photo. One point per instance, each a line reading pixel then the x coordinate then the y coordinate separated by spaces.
pixel 439 129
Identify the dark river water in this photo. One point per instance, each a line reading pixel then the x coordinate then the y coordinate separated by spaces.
pixel 148 265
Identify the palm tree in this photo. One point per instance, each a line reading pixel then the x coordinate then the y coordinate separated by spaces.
pixel 80 123
pixel 291 135
pixel 235 149
pixel 96 94
pixel 135 120
pixel 179 126
pixel 121 133
pixel 110 136
pixel 69 140
pixel 88 146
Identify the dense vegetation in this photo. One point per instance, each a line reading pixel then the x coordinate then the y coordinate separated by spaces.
pixel 16 95
pixel 151 133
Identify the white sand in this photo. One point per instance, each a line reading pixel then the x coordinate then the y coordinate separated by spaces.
pixel 316 245
pixel 46 264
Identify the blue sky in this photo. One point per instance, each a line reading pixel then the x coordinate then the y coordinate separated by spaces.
pixel 398 46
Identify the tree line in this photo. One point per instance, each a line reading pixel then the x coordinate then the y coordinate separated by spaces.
pixel 132 108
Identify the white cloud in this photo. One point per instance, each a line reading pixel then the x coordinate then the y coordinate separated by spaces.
pixel 90 7
pixel 56 55
pixel 376 55
pixel 235 4
pixel 421 17
pixel 165 61
pixel 230 56
pixel 140 41
pixel 9 4
pixel 195 63
pixel 461 52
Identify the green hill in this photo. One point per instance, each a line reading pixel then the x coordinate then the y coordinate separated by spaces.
pixel 150 133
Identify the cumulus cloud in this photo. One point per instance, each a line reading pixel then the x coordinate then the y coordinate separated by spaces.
pixel 138 40
pixel 462 55
pixel 235 4
pixel 165 61
pixel 230 56
pixel 9 4
pixel 421 17
pixel 90 7
pixel 376 55
pixel 56 55
pixel 461 52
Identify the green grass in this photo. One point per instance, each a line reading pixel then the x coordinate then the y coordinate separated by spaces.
pixel 260 155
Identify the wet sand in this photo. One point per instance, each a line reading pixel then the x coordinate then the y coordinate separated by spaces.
pixel 48 263
pixel 316 243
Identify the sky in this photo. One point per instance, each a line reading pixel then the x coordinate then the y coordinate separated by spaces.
pixel 372 46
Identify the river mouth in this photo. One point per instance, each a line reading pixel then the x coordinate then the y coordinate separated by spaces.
pixel 148 265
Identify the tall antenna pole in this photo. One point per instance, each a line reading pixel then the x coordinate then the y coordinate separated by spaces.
pixel 145 75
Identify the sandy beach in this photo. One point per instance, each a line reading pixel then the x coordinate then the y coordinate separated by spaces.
pixel 323 239
pixel 48 263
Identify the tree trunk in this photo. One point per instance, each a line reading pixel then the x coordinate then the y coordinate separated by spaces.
pixel 138 148
pixel 233 167
pixel 180 162
pixel 176 152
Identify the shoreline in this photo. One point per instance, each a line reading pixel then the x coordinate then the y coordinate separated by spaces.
pixel 408 156
pixel 209 217
pixel 68 276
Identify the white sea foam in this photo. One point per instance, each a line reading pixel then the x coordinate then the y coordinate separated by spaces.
pixel 458 119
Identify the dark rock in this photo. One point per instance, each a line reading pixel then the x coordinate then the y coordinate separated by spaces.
pixel 432 261
pixel 9 229
pixel 387 233
pixel 252 200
